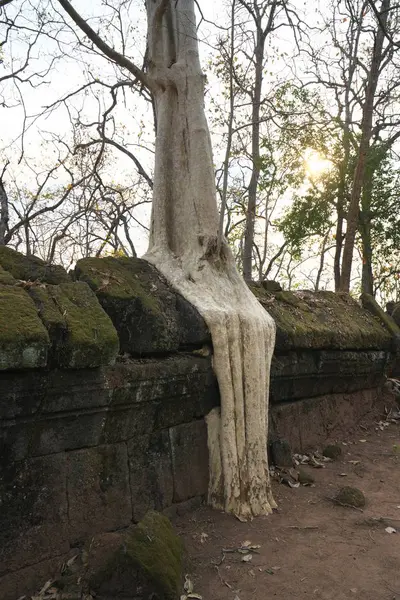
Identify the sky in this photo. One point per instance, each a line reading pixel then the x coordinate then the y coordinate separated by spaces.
pixel 69 73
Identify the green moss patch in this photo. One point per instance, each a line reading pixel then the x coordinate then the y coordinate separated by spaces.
pixel 332 451
pixel 139 302
pixel 350 496
pixel 30 268
pixel 24 341
pixel 157 551
pixel 81 333
pixel 6 278
pixel 322 320
pixel 370 304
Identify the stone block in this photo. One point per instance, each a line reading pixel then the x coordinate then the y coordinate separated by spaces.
pixel 322 320
pixel 31 268
pixel 33 392
pixel 189 460
pixel 150 466
pixel 81 333
pixel 6 278
pixel 98 491
pixel 181 388
pixel 24 342
pixel 123 423
pixel 26 581
pixel 149 316
pixel 311 423
pixel 33 510
pixel 308 373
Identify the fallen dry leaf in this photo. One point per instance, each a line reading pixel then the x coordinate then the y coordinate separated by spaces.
pixel 188 585
pixel 390 530
pixel 247 558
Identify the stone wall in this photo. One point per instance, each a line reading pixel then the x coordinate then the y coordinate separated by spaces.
pixel 105 379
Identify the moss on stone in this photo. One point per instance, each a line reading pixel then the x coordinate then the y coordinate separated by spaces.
pixel 304 477
pixel 81 333
pixel 157 551
pixel 6 278
pixel 332 451
pixel 121 278
pixel 370 304
pixel 350 496
pixel 322 320
pixel 138 301
pixel 31 268
pixel 24 341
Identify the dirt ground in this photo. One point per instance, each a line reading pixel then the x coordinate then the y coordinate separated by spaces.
pixel 310 547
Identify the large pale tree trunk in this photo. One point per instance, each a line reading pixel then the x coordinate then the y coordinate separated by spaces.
pixel 184 247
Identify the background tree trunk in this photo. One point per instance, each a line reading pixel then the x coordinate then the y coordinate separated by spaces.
pixel 366 132
pixel 3 214
pixel 255 157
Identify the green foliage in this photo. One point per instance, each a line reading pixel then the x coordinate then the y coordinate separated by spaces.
pixel 309 215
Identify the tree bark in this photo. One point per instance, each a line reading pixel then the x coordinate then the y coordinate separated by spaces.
pixel 367 279
pixel 255 157
pixel 184 247
pixel 224 196
pixel 261 35
pixel 366 131
pixel 4 215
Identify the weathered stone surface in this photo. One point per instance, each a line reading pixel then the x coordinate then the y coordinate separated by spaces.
pixel 389 321
pixel 305 477
pixel 308 373
pixel 150 467
pixel 24 342
pixel 31 268
pixel 157 551
pixel 6 278
pixel 36 392
pixel 33 515
pixel 350 496
pixel 308 424
pixel 270 285
pixel 281 453
pixel 166 379
pixel 49 412
pixel 81 333
pixel 98 484
pixel 28 580
pixel 149 316
pixel 322 320
pixel 332 451
pixel 145 562
pixel 115 441
pixel 52 434
pixel 110 574
pixel 189 460
pixel 127 422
